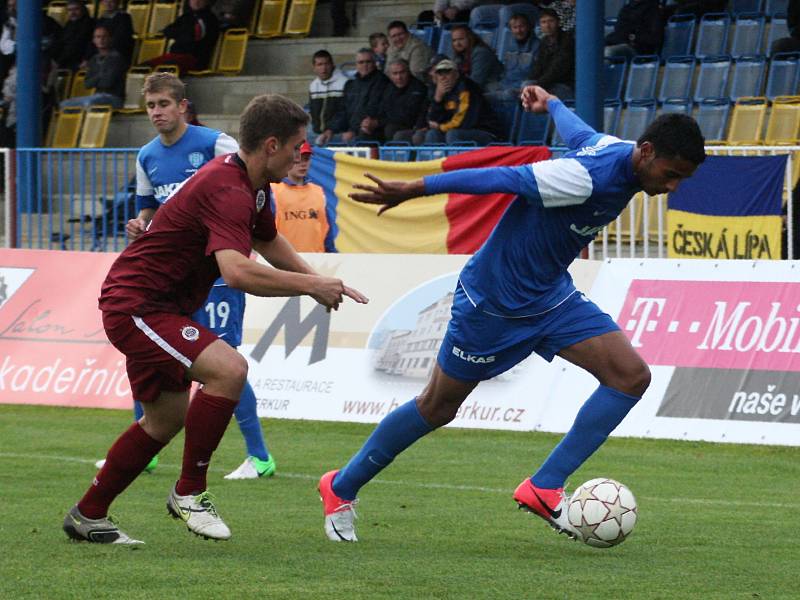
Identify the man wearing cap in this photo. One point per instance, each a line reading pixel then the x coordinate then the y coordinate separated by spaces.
pixel 458 111
pixel 301 212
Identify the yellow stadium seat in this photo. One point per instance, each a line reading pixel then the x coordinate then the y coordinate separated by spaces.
pixel 212 64
pixel 161 15
pixel 139 10
pixel 747 121
pixel 150 48
pixel 67 127
pixel 168 69
pixel 301 13
pixel 95 126
pixel 63 84
pixel 232 51
pixel 134 80
pixel 271 15
pixel 57 10
pixel 783 127
pixel 78 86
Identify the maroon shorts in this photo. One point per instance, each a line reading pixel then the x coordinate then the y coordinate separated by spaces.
pixel 159 348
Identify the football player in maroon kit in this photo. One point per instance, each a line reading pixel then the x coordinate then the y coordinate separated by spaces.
pixel 206 229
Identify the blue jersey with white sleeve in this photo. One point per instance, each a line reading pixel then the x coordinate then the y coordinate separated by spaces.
pixel 160 169
pixel 561 205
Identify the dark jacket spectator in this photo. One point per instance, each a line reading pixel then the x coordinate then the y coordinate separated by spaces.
pixel 362 95
pixel 639 29
pixel 195 34
pixel 791 43
pixel 404 103
pixel 119 23
pixel 475 59
pixel 76 36
pixel 554 67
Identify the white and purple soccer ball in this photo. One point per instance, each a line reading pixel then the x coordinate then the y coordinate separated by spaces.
pixel 604 511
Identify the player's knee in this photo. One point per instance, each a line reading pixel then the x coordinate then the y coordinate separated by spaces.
pixel 436 409
pixel 638 379
pixel 237 369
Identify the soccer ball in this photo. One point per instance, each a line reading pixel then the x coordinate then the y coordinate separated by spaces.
pixel 603 511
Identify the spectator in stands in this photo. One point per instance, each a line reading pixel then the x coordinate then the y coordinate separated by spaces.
pixel 325 97
pixel 458 111
pixel 517 57
pixel 362 98
pixel 409 48
pixel 234 13
pixel 791 43
pixel 76 37
pixel 51 38
pixel 190 116
pixel 565 9
pixel 554 66
pixel 447 11
pixel 404 104
pixel 119 23
pixel 194 36
pixel 339 16
pixel 379 44
pixel 301 210
pixel 105 73
pixel 639 30
pixel 475 59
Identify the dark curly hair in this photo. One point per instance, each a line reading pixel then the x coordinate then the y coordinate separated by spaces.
pixel 676 135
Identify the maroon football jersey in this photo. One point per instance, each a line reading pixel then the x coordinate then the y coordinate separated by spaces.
pixel 171 267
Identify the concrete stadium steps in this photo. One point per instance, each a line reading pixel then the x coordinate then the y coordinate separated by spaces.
pixel 293 56
pixel 371 15
pixel 229 95
pixel 133 131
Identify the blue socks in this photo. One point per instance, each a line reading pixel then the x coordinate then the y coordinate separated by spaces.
pixel 597 418
pixel 398 430
pixel 247 417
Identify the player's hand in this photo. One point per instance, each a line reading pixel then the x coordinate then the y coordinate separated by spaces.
pixel 330 292
pixel 135 227
pixel 386 193
pixel 534 98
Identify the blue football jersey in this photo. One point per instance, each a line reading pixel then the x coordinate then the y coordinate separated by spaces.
pixel 561 205
pixel 223 313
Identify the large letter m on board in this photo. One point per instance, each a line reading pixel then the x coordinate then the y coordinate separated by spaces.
pixel 295 330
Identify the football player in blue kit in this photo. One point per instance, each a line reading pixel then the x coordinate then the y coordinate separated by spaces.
pixel 163 164
pixel 515 296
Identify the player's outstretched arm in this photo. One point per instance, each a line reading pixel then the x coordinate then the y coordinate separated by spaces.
pixel 387 193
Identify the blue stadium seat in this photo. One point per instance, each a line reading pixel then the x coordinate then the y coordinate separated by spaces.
pixel 778 28
pixel 556 139
pixel 484 21
pixel 748 76
pixel 642 77
pixel 737 7
pixel 396 151
pixel 425 33
pixel 460 147
pixel 775 7
pixel 349 69
pixel 532 128
pixel 612 110
pixel 677 105
pixel 608 26
pixel 445 47
pixel 614 77
pixel 431 151
pixel 748 34
pixel 712 117
pixel 712 35
pixel 784 75
pixel 712 80
pixel 637 117
pixel 678 36
pixel 506 112
pixel 509 10
pixel 677 79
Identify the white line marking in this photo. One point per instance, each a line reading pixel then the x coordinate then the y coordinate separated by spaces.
pixel 427 486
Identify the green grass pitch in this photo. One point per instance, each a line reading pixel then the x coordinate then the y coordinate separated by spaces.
pixel 716 521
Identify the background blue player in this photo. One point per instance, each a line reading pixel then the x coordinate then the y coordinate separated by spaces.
pixel 162 165
pixel 515 296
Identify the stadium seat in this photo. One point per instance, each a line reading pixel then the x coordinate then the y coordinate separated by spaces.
pixel 556 139
pixel 95 126
pixel 677 79
pixel 712 117
pixel 712 80
pixel 57 10
pixel 678 35
pixel 161 14
pixel 784 75
pixel 737 7
pixel 67 127
pixel 748 34
pixel 506 112
pixel 614 77
pixel 431 152
pixel 150 48
pixel 748 76
pixel 301 14
pixel 484 20
pixel 783 126
pixel 609 25
pixel 747 121
pixel 637 117
pixel 63 84
pixel 78 85
pixel 348 69
pixel 642 77
pixel 778 28
pixel 445 46
pixel 232 52
pixel 271 15
pixel 775 7
pixel 460 147
pixel 531 128
pixel 524 8
pixel 425 33
pixel 134 80
pixel 139 10
pixel 396 152
pixel 712 35
pixel 677 105
pixel 612 111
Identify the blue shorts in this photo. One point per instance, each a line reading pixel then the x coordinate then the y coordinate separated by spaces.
pixel 223 313
pixel 479 346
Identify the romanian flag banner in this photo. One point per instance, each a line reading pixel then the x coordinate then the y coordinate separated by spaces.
pixel 730 208
pixel 442 224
